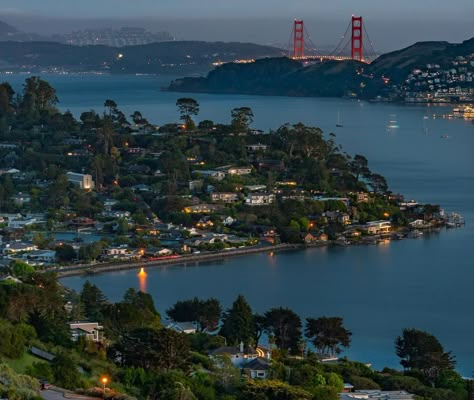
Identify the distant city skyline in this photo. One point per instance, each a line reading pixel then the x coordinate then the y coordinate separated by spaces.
pixel 396 24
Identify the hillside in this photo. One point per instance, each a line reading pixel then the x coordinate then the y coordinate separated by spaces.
pixel 281 76
pixel 399 63
pixel 150 58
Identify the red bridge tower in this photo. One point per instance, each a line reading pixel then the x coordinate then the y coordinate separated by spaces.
pixel 356 39
pixel 298 39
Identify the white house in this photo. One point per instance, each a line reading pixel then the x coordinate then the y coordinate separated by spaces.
pixel 183 327
pixel 258 368
pixel 90 330
pixel 377 227
pixel 18 247
pixel 238 355
pixel 239 171
pixel 225 197
pixel 259 199
pixel 21 223
pixel 84 181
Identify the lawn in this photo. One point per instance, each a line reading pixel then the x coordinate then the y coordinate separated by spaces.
pixel 19 365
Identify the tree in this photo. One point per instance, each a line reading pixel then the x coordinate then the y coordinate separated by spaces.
pixel 238 324
pixel 65 253
pixel 328 334
pixel 66 373
pixel 206 125
pixel 187 107
pixel 158 349
pixel 111 106
pixel 137 310
pixel 259 328
pixel 420 350
pixel 273 390
pixel 21 269
pixel 93 300
pixel 206 312
pixel 360 167
pixel 242 117
pixel 285 325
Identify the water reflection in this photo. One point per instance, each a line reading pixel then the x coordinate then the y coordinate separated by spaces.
pixel 142 275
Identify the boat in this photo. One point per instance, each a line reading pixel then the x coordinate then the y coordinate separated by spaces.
pixel 338 124
pixel 415 234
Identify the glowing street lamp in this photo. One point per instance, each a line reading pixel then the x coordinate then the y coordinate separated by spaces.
pixel 104 381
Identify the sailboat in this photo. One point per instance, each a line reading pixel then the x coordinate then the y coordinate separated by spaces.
pixel 338 124
pixel 425 128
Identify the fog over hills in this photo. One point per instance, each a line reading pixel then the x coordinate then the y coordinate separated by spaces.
pixel 386 35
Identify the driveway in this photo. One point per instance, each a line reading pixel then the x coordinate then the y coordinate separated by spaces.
pixel 61 394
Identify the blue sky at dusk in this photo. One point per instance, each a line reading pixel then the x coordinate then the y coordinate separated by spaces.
pixel 391 23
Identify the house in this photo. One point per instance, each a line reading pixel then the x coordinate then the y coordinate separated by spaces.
pixel 21 223
pixel 42 256
pixel 141 188
pixel 377 227
pixel 183 327
pixel 116 252
pixel 228 221
pixel 204 223
pixel 201 209
pixel 309 238
pixel 258 368
pixel 238 354
pixel 217 175
pixel 323 237
pixel 256 147
pixel 239 171
pixel 84 181
pixel 225 197
pixel 164 252
pixel 19 247
pixel 270 165
pixel 109 203
pixel 260 199
pixel 89 330
pixel 21 199
pixel 362 197
pixel 195 185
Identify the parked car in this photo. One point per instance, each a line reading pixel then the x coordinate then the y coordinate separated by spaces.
pixel 44 385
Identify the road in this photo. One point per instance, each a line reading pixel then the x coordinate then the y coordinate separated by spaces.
pixel 61 395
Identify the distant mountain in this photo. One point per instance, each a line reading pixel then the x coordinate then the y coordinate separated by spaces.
pixel 282 76
pixel 150 58
pixel 6 29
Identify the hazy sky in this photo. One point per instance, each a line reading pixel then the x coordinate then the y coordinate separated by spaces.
pixel 391 23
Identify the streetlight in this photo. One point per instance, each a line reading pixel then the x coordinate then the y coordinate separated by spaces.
pixel 104 381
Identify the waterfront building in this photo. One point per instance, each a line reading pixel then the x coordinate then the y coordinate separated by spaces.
pixel 84 181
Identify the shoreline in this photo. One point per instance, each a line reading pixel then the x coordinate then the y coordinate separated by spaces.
pixel 84 269
pixel 97 268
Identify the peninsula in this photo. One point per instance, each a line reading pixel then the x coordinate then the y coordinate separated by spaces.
pixel 427 72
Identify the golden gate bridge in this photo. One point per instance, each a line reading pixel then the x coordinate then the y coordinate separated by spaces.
pixel 357 46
